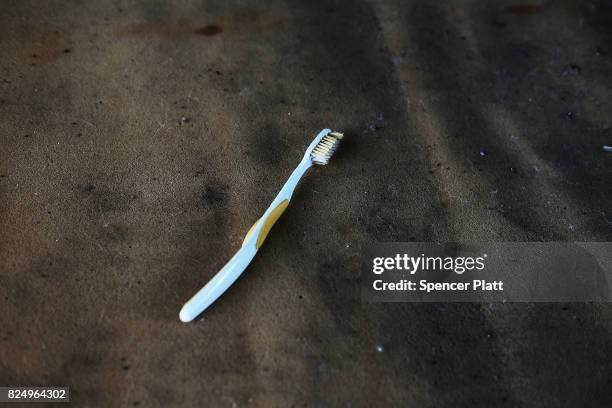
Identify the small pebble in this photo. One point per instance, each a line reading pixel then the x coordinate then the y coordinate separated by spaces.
pixel 379 348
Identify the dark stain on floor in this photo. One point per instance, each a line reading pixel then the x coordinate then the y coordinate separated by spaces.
pixel 209 30
pixel 245 21
pixel 215 195
pixel 48 48
pixel 523 9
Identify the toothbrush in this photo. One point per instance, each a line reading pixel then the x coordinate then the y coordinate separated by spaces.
pixel 319 152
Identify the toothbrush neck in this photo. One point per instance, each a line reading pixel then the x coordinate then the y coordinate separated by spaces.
pixel 289 187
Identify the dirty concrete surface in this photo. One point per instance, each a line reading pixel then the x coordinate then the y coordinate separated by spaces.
pixel 140 140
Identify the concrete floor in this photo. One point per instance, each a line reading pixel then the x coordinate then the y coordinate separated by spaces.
pixel 140 140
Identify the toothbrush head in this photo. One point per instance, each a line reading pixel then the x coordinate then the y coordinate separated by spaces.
pixel 326 148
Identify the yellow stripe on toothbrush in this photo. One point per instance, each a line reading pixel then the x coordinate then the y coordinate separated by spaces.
pixel 251 230
pixel 268 224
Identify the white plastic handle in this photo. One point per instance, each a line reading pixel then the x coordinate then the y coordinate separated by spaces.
pixel 218 284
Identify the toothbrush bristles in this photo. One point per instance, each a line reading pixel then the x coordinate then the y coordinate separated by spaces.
pixel 326 148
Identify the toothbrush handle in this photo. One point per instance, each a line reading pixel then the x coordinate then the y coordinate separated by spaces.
pixel 218 284
pixel 251 244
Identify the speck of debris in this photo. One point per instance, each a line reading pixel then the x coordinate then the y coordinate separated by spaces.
pixel 607 148
pixel 572 70
pixel 569 115
pixel 380 348
pixel 483 152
